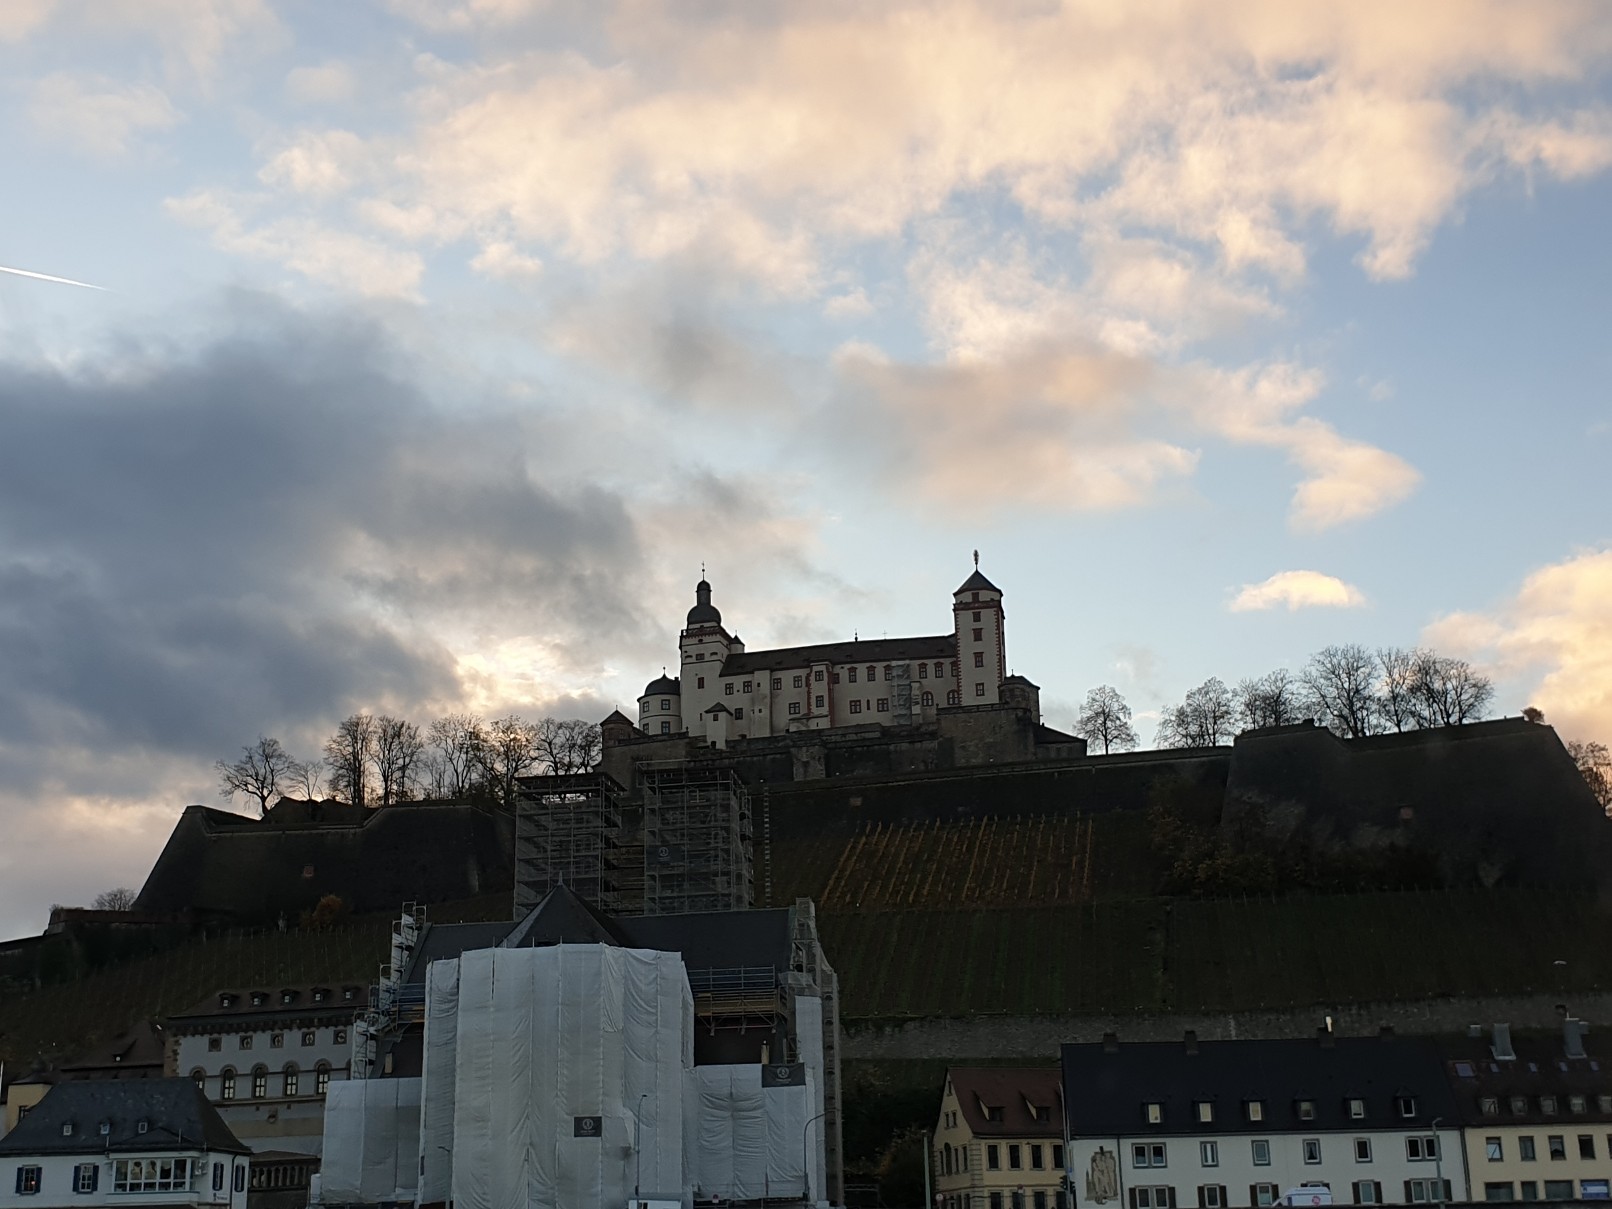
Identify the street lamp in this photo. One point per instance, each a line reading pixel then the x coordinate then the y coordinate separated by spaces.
pixel 805 1160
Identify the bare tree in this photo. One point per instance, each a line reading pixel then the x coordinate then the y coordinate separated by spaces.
pixel 508 753
pixel 458 740
pixel 260 772
pixel 1342 682
pixel 1450 691
pixel 1274 699
pixel 1105 719
pixel 397 751
pixel 568 746
pixel 347 755
pixel 119 899
pixel 306 778
pixel 1595 763
pixel 1204 719
pixel 1397 700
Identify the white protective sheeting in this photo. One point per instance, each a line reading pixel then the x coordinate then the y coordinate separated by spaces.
pixel 752 1140
pixel 548 1036
pixel 437 1083
pixel 372 1138
pixel 809 1037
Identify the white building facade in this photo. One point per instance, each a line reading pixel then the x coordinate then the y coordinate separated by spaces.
pixel 1229 1124
pixel 266 1057
pixel 725 692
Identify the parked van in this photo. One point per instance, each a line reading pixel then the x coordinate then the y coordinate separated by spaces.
pixel 1307 1195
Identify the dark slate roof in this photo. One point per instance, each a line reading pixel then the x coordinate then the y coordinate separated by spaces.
pixel 1046 734
pixel 342 1000
pixel 563 917
pixel 1018 679
pixel 663 686
pixel 703 612
pixel 714 940
pixel 439 941
pixel 977 583
pixel 1541 1068
pixel 177 1114
pixel 1107 1091
pixel 1013 1089
pixel 617 718
pixel 866 650
pixel 139 1047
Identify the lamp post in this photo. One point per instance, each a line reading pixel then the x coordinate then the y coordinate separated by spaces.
pixel 805 1159
pixel 638 1148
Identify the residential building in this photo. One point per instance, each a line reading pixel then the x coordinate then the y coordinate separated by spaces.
pixel 22 1096
pixel 999 1141
pixel 1228 1124
pixel 1537 1115
pixel 123 1141
pixel 265 1057
pixel 136 1053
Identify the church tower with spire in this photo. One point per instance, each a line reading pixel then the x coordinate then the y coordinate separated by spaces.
pixel 980 626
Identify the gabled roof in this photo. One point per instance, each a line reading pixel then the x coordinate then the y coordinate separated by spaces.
pixel 140 1046
pixel 562 917
pixel 1014 1091
pixel 865 650
pixel 977 583
pixel 1540 1068
pixel 176 1115
pixel 234 1004
pixel 1107 1089
pixel 617 718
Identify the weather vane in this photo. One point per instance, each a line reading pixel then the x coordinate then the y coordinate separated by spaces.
pixel 976 560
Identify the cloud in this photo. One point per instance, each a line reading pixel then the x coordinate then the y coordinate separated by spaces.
pixel 323 84
pixel 1297 590
pixel 193 36
pixel 500 258
pixel 1551 643
pixel 96 114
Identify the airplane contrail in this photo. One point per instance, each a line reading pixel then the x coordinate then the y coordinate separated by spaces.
pixel 83 285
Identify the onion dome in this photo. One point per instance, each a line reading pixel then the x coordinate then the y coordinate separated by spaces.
pixel 703 612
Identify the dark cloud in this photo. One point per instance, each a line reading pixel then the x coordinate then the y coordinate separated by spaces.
pixel 266 531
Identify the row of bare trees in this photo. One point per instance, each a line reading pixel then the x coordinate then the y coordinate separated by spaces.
pixel 378 760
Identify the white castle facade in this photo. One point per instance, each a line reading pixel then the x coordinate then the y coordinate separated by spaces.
pixel 724 692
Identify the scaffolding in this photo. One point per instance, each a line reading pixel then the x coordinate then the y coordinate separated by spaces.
pixel 697 841
pixel 568 832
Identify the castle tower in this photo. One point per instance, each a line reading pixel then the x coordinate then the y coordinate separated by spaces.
pixel 703 646
pixel 660 709
pixel 981 639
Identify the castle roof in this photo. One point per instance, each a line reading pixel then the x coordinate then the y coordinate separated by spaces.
pixel 704 612
pixel 977 583
pixel 663 686
pixel 866 650
pixel 138 1114
pixel 617 718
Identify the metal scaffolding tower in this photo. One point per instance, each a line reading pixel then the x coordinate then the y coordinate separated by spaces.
pixel 697 841
pixel 568 831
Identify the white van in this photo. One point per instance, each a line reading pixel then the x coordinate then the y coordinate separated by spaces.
pixel 1307 1195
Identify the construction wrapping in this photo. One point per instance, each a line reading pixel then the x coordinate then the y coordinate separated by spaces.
pixel 437 1069
pixel 567 1078
pixel 809 1031
pixel 372 1131
pixel 752 1140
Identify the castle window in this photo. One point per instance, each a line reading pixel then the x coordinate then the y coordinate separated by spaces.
pixel 321 1079
pixel 777 683
pixel 276 1040
pixel 887 674
pixel 929 698
pixel 728 688
pixel 850 674
pixel 884 705
pixel 833 677
pixel 794 707
pixel 923 671
pixel 749 686
pixel 979 658
pixel 800 682
pixel 818 675
pixel 260 1082
pixel 699 682
pixel 665 728
pixel 976 611
pixel 292 1077
pixel 665 703
pixel 819 701
pixel 873 672
pixel 975 597
pixel 979 634
pixel 979 690
pixel 245 1041
pixel 226 1084
pixel 214 1044
pixel 953 697
pixel 738 711
pixel 856 707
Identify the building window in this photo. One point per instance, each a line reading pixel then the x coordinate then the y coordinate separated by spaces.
pixel 665 728
pixel 1357 1109
pixel 794 707
pixel 856 706
pixel 1575 1104
pixel 993 1158
pixel 1261 1149
pixel 1362 1150
pixel 218 1177
pixel 1162 1197
pixel 1586 1146
pixel 923 671
pixel 738 711
pixel 1206 1111
pixel 976 611
pixel 1038 1199
pixel 1368 1192
pixel 1519 1105
pixel 928 698
pixel 800 681
pixel 1547 1105
pixel 819 701
pixel 850 675
pixel 1420 1192
pixel 1421 1149
pixel 1525 1148
pixel 199 1078
pixel 1604 1103
pixel 309 1037
pixel 1262 1194
pixel 884 705
pixel 699 682
pixel 1155 1112
pixel 1255 1109
pixel 1407 1106
pixel 151 1175
pixel 1494 1150
pixel 1489 1106
pixel 979 690
pixel 226 1084
pixel 1528 1190
pixel 293 1079
pixel 240 1177
pixel 1558 1190
pixel 321 1079
pixel 873 673
pixel 1037 1157
pixel 727 688
pixel 1558 1146
pixel 1057 1156
pixel 214 1044
pixel 1148 1154
pixel 1306 1110
pixel 245 1041
pixel 979 634
pixel 1595 1190
pixel 1505 1191
pixel 85 1177
pixel 665 704
pixel 260 1082
pixel 1312 1150
pixel 277 1040
pixel 339 1036
pixel 979 658
pixel 818 675
pixel 749 685
pixel 1015 1159
pixel 996 1200
pixel 28 1180
pixel 1209 1154
pixel 777 682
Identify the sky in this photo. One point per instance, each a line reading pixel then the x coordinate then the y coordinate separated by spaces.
pixel 438 344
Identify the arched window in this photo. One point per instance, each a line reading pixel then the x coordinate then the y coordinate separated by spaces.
pixel 293 1078
pixel 953 697
pixel 260 1082
pixel 199 1077
pixel 946 1159
pixel 321 1078
pixel 226 1083
pixel 928 698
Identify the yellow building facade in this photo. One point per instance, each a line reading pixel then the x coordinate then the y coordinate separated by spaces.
pixel 998 1141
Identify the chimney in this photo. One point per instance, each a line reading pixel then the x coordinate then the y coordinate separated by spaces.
pixel 1474 1031
pixel 1191 1040
pixel 1325 1036
pixel 1110 1043
pixel 1573 1037
pixel 1501 1049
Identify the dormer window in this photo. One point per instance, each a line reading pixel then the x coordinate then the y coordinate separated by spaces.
pixel 1155 1112
pixel 1547 1105
pixel 1407 1105
pixel 106 1128
pixel 1254 1109
pixel 1576 1104
pixel 348 992
pixel 1206 1111
pixel 226 1000
pixel 1489 1106
pixel 319 995
pixel 67 1129
pixel 257 998
pixel 287 996
pixel 1306 1110
pixel 1519 1105
pixel 141 1126
pixel 1357 1109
